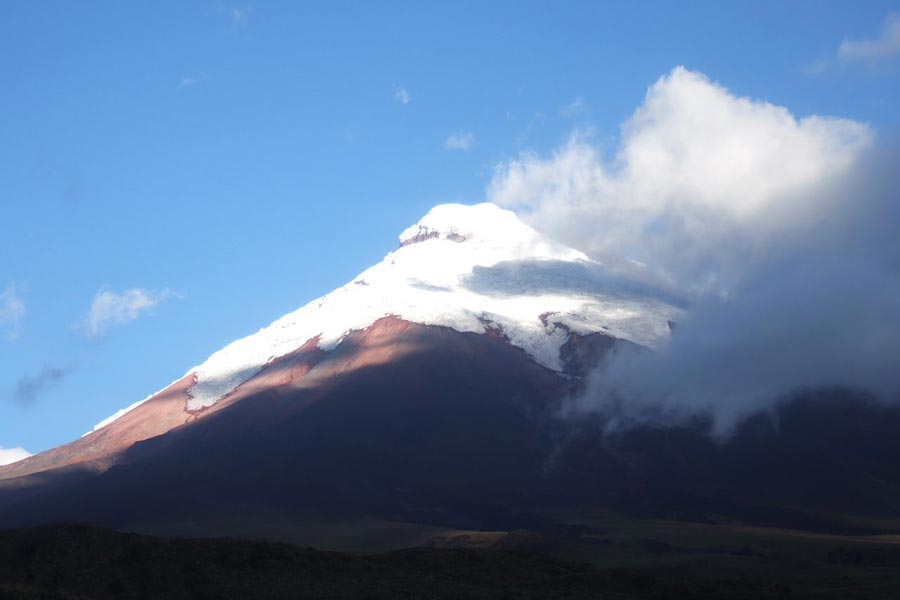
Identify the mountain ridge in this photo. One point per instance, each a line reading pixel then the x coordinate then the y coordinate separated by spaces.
pixel 510 259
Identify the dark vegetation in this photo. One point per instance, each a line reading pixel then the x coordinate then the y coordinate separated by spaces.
pixel 78 562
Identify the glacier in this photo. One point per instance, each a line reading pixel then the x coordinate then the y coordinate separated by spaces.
pixel 468 267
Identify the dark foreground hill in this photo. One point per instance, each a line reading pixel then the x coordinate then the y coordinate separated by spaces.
pixel 80 562
pixel 76 562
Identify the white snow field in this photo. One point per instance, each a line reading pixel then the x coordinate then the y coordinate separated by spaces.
pixel 465 267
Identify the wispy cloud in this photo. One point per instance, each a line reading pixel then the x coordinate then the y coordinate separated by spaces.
pixel 816 68
pixel 240 17
pixel 112 308
pixel 536 120
pixel 30 387
pixel 11 455
pixel 191 80
pixel 461 140
pixel 575 108
pixel 401 95
pixel 12 311
pixel 871 51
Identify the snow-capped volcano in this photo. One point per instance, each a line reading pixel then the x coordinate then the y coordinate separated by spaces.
pixel 467 269
pixel 470 268
pixel 429 389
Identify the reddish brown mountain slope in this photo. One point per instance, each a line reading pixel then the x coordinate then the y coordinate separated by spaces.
pixel 418 423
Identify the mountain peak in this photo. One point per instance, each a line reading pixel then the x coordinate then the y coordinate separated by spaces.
pixel 460 222
pixel 475 269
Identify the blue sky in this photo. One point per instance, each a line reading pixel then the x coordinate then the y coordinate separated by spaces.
pixel 234 161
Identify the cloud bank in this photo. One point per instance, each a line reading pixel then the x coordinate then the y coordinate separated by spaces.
pixel 12 311
pixel 781 230
pixel 112 308
pixel 697 184
pixel 11 455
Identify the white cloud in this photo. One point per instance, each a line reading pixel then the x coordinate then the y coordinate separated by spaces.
pixel 401 95
pixel 780 231
pixel 696 166
pixel 11 455
pixel 12 311
pixel 111 308
pixel 461 140
pixel 872 51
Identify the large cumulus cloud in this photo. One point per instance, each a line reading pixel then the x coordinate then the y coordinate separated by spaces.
pixel 781 230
